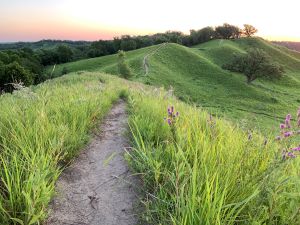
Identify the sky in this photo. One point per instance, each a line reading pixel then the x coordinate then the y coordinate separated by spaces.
pixel 33 20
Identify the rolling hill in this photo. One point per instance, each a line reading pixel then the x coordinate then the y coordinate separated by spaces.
pixel 195 168
pixel 197 76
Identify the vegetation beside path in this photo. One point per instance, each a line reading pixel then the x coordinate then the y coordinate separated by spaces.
pixel 40 128
pixel 196 168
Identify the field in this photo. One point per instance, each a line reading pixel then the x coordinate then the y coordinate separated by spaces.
pixel 215 162
pixel 197 77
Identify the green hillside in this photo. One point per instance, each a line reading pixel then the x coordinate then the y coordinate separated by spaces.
pixel 196 76
pixel 196 169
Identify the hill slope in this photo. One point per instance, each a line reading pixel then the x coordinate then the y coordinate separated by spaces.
pixel 196 75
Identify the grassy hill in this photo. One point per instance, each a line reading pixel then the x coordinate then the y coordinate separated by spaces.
pixel 197 169
pixel 196 76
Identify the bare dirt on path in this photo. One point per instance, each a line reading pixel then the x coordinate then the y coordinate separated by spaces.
pixel 98 188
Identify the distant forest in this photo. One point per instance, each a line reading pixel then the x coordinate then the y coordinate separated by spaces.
pixel 289 44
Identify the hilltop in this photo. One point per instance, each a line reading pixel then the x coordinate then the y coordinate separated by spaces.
pixel 197 76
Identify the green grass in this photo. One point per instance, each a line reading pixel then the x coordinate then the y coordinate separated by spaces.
pixel 213 173
pixel 197 76
pixel 41 128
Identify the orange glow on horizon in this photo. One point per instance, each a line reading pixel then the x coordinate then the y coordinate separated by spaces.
pixel 33 20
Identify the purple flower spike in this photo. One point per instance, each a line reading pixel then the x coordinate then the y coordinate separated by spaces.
pixel 296 149
pixel 288 134
pixel 169 121
pixel 282 126
pixel 291 155
pixel 288 117
pixel 177 113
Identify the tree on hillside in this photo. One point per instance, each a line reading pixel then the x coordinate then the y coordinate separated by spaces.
pixel 124 69
pixel 65 53
pixel 127 43
pixel 254 64
pixel 249 30
pixel 227 31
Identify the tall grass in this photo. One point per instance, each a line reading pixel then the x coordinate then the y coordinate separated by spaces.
pixel 214 174
pixel 41 129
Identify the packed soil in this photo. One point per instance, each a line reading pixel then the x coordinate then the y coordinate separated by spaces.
pixel 98 188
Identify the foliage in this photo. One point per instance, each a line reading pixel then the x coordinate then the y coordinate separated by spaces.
pixel 18 65
pixel 127 43
pixel 249 30
pixel 201 36
pixel 14 73
pixel 123 68
pixel 256 63
pixel 228 31
pixel 65 53
pixel 214 174
pixel 101 48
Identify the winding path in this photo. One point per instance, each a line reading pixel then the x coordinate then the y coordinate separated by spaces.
pixel 145 60
pixel 98 189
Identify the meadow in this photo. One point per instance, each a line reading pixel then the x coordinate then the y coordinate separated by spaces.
pixel 216 161
pixel 203 170
pixel 197 77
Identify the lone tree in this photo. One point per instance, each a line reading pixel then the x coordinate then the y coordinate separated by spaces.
pixel 124 69
pixel 256 63
pixel 249 30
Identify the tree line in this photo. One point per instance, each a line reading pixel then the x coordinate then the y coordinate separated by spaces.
pixel 26 61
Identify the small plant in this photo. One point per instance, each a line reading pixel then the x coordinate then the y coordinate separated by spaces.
pixel 124 69
pixel 286 134
pixel 171 119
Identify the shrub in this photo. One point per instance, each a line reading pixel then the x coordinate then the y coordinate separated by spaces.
pixel 14 72
pixel 124 69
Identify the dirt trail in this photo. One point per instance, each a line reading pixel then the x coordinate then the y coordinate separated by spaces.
pixel 98 189
pixel 145 60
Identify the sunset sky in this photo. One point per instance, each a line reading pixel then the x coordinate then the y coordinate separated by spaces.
pixel 33 20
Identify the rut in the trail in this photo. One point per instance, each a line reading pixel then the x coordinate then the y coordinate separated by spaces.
pixel 98 189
